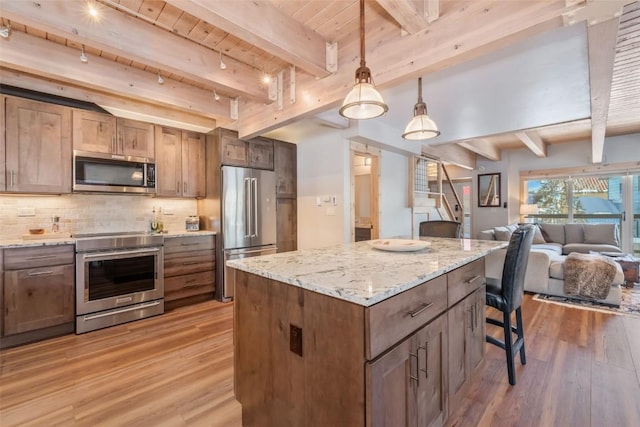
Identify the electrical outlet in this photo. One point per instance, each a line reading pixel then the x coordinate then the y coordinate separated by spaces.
pixel 295 339
pixel 26 212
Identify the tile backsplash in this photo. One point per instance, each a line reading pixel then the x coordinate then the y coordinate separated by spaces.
pixel 90 213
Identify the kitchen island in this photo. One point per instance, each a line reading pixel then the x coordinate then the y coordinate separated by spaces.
pixel 350 335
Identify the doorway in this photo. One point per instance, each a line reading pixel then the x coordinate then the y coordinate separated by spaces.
pixel 364 195
pixel 463 213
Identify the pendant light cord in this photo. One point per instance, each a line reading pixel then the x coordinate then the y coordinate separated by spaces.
pixel 362 61
pixel 420 90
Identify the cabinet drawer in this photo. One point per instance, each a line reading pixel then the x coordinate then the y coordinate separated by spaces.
pixel 183 244
pixel 464 280
pixel 188 285
pixel 395 318
pixel 189 262
pixel 19 258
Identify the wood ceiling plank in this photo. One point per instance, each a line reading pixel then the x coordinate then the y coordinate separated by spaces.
pixel 483 147
pixel 406 13
pixel 121 34
pixel 200 31
pixel 131 4
pixel 169 16
pixel 467 32
pixel 27 81
pixel 533 142
pixel 35 55
pixel 602 39
pixel 186 23
pixel 151 8
pixel 253 22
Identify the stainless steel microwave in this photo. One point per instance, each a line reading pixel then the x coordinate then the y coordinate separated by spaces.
pixel 112 173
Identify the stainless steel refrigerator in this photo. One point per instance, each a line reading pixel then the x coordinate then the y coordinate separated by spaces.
pixel 248 218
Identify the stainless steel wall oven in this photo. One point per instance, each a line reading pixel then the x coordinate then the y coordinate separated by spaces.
pixel 119 278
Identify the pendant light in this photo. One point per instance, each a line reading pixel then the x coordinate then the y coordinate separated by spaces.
pixel 421 126
pixel 364 101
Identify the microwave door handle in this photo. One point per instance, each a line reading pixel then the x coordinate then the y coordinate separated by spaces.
pixel 255 207
pixel 247 208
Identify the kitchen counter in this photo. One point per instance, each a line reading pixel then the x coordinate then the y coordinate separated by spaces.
pixel 363 275
pixel 66 240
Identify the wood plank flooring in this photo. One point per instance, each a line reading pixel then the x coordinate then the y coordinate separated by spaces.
pixel 583 368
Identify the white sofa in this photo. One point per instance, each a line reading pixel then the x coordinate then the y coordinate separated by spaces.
pixel 551 244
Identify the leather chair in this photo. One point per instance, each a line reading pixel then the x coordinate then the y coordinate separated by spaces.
pixel 506 295
pixel 441 228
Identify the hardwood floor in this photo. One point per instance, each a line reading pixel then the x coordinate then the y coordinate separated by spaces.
pixel 583 368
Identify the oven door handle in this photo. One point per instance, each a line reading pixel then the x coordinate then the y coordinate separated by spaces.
pixel 120 254
pixel 122 310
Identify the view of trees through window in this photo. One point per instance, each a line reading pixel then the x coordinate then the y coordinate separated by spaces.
pixel 592 199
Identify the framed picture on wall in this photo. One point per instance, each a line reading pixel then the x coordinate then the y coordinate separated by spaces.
pixel 489 190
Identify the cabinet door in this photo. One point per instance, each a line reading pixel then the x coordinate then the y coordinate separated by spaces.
pixel 94 132
pixel 477 330
pixel 168 161
pixel 235 152
pixel 286 225
pixel 135 138
pixel 261 153
pixel 3 172
pixel 285 166
pixel 459 317
pixel 391 397
pixel 38 147
pixel 38 298
pixel 432 373
pixel 193 174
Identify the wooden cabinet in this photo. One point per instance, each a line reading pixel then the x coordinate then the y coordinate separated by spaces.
pixel 38 293
pixel 285 163
pixel 326 361
pixel 466 329
pixel 286 225
pixel 37 148
pixel 189 270
pixel 255 153
pixel 408 383
pixel 180 163
pixel 102 133
pixel 3 170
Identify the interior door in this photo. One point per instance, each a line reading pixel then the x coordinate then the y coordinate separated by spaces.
pixel 236 212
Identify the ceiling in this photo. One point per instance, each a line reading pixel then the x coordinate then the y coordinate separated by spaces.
pixel 313 46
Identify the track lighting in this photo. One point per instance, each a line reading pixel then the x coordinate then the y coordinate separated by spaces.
pixel 216 96
pixel 6 31
pixel 266 78
pixel 160 79
pixel 83 56
pixel 91 10
pixel 223 66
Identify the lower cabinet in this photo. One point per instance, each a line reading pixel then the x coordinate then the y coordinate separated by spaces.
pixel 286 225
pixel 38 290
pixel 408 384
pixel 189 270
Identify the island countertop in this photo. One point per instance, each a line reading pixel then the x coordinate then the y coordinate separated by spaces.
pixel 358 273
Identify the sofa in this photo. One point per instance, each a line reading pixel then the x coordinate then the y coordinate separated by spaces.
pixel 551 245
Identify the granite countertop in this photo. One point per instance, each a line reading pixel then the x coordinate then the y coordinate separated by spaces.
pixel 65 239
pixel 358 273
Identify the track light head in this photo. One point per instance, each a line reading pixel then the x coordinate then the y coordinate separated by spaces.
pixel 160 79
pixel 223 66
pixel 216 96
pixel 83 56
pixel 5 32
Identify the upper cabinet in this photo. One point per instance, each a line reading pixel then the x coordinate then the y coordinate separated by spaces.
pixel 37 149
pixel 255 153
pixel 102 133
pixel 180 157
pixel 286 169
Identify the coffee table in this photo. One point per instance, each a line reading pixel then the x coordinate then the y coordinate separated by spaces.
pixel 630 266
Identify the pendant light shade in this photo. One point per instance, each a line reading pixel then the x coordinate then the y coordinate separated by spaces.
pixel 421 126
pixel 364 101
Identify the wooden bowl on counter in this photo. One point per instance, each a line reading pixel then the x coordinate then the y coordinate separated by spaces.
pixel 36 231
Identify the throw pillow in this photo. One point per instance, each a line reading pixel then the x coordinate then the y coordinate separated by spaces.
pixel 502 233
pixel 573 233
pixel 538 238
pixel 554 232
pixel 605 234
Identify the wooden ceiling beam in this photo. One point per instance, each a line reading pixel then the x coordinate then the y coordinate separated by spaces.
pixel 410 14
pixel 34 55
pixel 482 147
pixel 177 118
pixel 533 142
pixel 602 39
pixel 451 153
pixel 461 34
pixel 131 38
pixel 255 21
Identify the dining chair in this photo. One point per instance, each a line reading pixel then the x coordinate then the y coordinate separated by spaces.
pixel 441 228
pixel 506 295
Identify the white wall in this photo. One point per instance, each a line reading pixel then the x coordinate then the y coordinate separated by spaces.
pixel 619 149
pixel 395 216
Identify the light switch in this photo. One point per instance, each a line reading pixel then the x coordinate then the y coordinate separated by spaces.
pixel 318 201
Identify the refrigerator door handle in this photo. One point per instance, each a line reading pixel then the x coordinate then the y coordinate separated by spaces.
pixel 255 206
pixel 247 207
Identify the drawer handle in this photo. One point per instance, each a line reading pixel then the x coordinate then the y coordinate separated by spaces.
pixel 190 262
pixel 189 244
pixel 473 279
pixel 41 257
pixel 193 285
pixel 423 307
pixel 40 273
